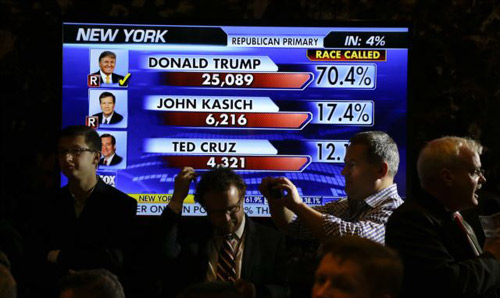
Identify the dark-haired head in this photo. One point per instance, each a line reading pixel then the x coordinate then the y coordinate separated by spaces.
pixel 380 148
pixel 218 180
pixel 107 94
pixel 107 54
pixel 92 138
pixel 107 135
pixel 359 264
pixel 97 283
pixel 221 192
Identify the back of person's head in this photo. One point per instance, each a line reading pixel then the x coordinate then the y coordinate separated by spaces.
pixel 96 283
pixel 215 289
pixel 219 180
pixel 442 153
pixel 380 148
pixel 92 138
pixel 380 266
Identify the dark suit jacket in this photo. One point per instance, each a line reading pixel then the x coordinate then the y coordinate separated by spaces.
pixel 186 254
pixel 438 260
pixel 114 77
pixel 114 119
pixel 99 238
pixel 95 239
pixel 116 160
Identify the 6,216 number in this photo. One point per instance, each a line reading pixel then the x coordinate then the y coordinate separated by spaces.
pixel 226 120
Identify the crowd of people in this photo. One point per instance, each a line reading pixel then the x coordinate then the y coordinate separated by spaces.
pixel 460 96
pixel 84 244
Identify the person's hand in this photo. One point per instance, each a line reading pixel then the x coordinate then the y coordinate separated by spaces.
pixel 291 197
pixel 492 245
pixel 52 256
pixel 181 184
pixel 246 289
pixel 181 188
pixel 265 187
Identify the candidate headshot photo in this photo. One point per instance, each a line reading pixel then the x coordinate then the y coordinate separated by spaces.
pixel 109 156
pixel 107 101
pixel 112 67
pixel 109 106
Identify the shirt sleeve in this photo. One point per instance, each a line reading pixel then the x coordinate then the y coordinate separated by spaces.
pixel 298 230
pixel 370 225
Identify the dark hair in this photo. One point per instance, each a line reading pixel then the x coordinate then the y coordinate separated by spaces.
pixel 211 289
pixel 380 147
pixel 219 179
pixel 92 138
pixel 107 54
pixel 96 283
pixel 107 135
pixel 107 94
pixel 381 265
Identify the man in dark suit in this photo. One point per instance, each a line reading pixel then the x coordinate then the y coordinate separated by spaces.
pixel 107 101
pixel 109 158
pixel 229 246
pixel 88 223
pixel 107 62
pixel 440 251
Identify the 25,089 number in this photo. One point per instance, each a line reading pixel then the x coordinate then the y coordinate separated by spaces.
pixel 227 79
pixel 233 162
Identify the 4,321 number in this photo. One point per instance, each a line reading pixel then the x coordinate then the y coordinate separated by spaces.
pixel 233 162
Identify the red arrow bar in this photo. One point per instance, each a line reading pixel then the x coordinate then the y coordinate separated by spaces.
pixel 277 80
pixel 283 120
pixel 262 163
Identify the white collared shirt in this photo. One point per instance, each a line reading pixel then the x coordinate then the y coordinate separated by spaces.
pixel 103 77
pixel 107 161
pixel 108 119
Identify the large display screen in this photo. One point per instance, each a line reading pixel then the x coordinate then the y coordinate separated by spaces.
pixel 264 101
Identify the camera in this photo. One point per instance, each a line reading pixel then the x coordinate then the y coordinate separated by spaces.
pixel 274 192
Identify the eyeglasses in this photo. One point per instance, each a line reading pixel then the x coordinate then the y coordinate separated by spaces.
pixel 73 152
pixel 229 210
pixel 478 172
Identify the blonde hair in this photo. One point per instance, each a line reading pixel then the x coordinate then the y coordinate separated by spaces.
pixel 443 153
